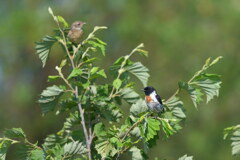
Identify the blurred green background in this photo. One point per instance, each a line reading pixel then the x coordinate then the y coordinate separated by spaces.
pixel 179 36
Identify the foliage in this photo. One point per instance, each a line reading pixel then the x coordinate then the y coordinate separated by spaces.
pixel 91 131
pixel 234 132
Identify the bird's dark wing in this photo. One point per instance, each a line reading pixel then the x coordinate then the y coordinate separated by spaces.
pixel 159 99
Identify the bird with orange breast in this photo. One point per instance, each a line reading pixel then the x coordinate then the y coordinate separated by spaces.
pixel 153 100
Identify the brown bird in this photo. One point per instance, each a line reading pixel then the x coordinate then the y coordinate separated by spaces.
pixel 75 33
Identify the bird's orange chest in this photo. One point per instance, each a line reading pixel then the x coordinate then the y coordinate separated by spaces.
pixel 148 99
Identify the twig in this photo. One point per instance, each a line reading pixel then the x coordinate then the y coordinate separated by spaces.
pixel 81 110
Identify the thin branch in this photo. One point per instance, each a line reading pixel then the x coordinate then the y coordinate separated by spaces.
pixel 134 125
pixel 64 79
pixel 81 110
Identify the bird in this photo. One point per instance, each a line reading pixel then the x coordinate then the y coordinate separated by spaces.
pixel 153 100
pixel 75 33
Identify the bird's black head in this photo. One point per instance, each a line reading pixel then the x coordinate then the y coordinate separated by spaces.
pixel 148 90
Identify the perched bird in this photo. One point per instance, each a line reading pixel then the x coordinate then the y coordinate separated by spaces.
pixel 153 100
pixel 75 33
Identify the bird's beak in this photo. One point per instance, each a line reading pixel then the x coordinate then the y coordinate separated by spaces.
pixel 142 90
pixel 84 23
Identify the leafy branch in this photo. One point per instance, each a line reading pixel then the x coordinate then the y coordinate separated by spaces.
pixel 95 127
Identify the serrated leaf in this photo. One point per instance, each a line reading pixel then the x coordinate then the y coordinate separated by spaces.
pixel 105 148
pixel 62 20
pixel 209 83
pixel 140 71
pixel 176 107
pixel 129 95
pixel 167 128
pixel 74 148
pixel 117 83
pixel 75 72
pixel 53 139
pixel 139 107
pixel 99 130
pixel 152 127
pixel 235 138
pixel 48 98
pixel 43 48
pixel 186 157
pixel 15 133
pixel 195 93
pixel 23 151
pixel 72 120
pixel 37 154
pixel 136 153
pixel 4 145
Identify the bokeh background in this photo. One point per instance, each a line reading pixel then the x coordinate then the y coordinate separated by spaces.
pixel 179 36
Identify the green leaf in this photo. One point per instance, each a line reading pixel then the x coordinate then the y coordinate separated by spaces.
pixel 139 107
pixel 167 128
pixel 75 72
pixel 72 120
pixel 43 48
pixel 100 41
pixel 15 133
pixel 152 127
pixel 234 131
pixel 62 20
pixel 94 70
pixel 99 130
pixel 236 142
pixel 92 34
pixel 49 97
pixel 136 153
pixel 209 83
pixel 129 95
pixel 53 139
pixel 102 73
pixel 143 52
pixel 140 71
pixel 63 63
pixel 37 155
pixel 105 148
pixel 229 130
pixel 56 152
pixel 195 93
pixel 74 148
pixel 53 78
pixel 117 83
pixel 4 145
pixel 176 107
pixel 185 157
pixel 216 60
pixel 98 45
pixel 23 151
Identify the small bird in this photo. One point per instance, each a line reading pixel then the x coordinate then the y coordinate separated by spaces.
pixel 153 100
pixel 76 32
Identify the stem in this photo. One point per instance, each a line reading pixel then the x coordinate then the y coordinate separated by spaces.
pixel 134 125
pixel 121 70
pixel 88 137
pixel 129 130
